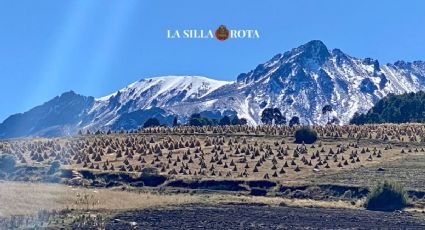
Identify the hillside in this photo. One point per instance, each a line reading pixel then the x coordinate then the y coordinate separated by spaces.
pixel 404 108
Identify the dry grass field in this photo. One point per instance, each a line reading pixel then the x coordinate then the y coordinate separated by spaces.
pixel 33 205
pixel 240 152
pixel 343 156
pixel 18 198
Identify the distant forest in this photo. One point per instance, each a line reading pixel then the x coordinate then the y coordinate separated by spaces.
pixel 408 107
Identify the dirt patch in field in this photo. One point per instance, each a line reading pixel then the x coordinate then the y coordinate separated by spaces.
pixel 226 185
pixel 261 217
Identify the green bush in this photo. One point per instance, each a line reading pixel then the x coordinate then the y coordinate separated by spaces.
pixel 7 162
pixel 386 196
pixel 306 135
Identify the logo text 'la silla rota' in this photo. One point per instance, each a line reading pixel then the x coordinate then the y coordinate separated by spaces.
pixel 221 33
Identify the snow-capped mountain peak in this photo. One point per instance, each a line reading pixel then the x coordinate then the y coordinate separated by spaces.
pixel 299 82
pixel 161 92
pixel 191 86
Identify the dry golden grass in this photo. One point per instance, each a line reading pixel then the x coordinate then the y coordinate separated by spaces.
pixel 415 209
pixel 29 198
pixel 275 201
pixel 17 198
pixel 273 147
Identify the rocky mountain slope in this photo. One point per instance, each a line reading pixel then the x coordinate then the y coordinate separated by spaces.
pixel 298 82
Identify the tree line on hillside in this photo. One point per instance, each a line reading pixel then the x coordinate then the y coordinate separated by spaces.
pixel 408 107
pixel 197 120
pixel 272 116
pixel 269 116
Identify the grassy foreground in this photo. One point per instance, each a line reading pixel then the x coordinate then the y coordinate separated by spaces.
pixel 19 198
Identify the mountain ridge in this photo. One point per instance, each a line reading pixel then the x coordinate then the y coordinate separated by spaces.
pixel 299 82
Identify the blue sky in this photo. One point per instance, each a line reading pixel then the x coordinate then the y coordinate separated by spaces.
pixel 96 47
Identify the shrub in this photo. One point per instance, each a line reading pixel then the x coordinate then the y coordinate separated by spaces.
pixel 294 121
pixel 306 135
pixel 386 196
pixel 7 162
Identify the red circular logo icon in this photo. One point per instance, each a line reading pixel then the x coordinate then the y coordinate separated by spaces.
pixel 222 33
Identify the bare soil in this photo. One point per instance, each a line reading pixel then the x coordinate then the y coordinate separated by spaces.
pixel 251 216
